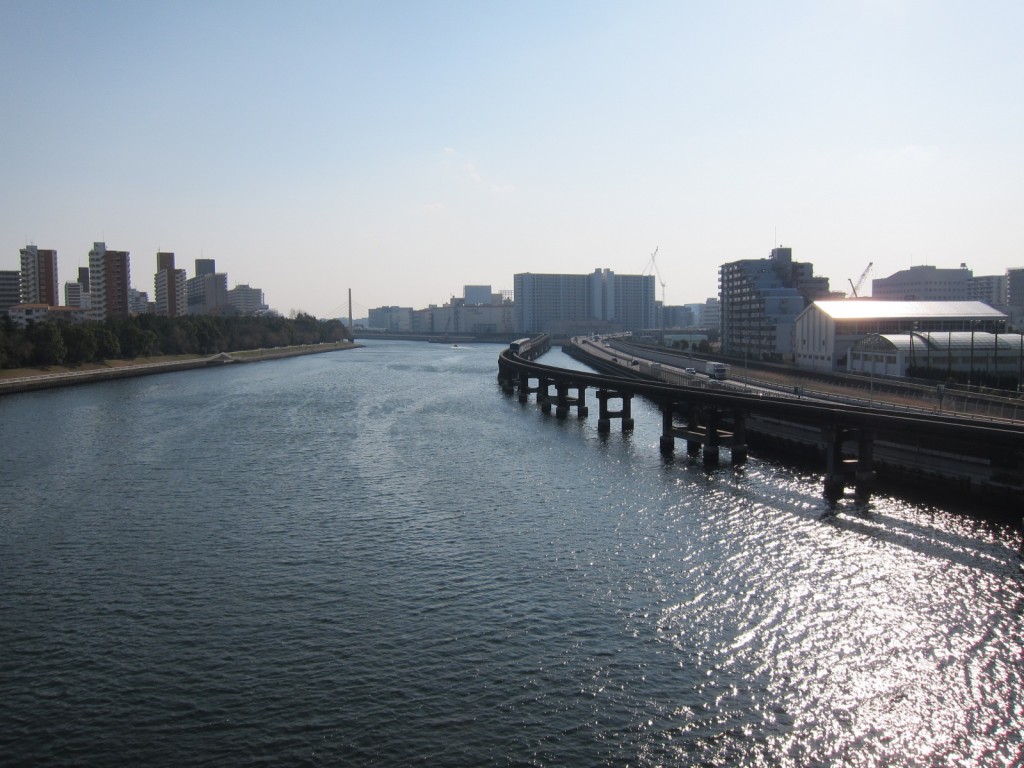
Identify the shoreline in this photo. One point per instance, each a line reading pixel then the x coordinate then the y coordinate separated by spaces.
pixel 14 381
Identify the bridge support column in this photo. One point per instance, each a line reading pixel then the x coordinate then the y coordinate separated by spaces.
pixel 693 425
pixel 565 401
pixel 713 439
pixel 562 401
pixel 739 438
pixel 524 387
pixel 544 393
pixel 506 379
pixel 581 403
pixel 605 415
pixel 835 479
pixel 864 479
pixel 667 443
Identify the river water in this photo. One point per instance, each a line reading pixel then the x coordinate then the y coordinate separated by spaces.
pixel 374 557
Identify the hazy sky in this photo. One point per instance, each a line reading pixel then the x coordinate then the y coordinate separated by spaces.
pixel 405 149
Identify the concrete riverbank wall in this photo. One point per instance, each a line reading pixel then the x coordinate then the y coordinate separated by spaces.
pixel 32 381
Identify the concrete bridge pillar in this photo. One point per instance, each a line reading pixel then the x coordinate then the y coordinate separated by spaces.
pixel 565 401
pixel 627 412
pixel 544 393
pixel 667 442
pixel 605 415
pixel 524 387
pixel 835 479
pixel 506 378
pixel 692 426
pixel 739 438
pixel 864 479
pixel 714 440
pixel 562 400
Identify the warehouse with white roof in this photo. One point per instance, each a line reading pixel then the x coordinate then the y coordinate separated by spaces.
pixel 826 330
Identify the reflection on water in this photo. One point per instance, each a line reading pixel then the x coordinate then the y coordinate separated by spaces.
pixel 376 557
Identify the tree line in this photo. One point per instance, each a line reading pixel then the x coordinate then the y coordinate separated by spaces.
pixel 62 343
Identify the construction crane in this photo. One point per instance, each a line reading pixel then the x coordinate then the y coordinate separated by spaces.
pixel 652 265
pixel 860 281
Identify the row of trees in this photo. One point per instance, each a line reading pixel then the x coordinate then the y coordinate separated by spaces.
pixel 60 343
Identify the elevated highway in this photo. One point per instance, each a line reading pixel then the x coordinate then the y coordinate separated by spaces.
pixel 984 459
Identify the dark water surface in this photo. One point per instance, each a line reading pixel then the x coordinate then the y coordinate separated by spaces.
pixel 373 557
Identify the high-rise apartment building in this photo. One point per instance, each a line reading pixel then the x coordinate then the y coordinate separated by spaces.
pixel 1015 287
pixel 990 289
pixel 138 302
pixel 39 276
pixel 711 315
pixel 169 287
pixel 547 303
pixel 207 294
pixel 760 300
pixel 110 281
pixel 73 295
pixel 10 289
pixel 570 304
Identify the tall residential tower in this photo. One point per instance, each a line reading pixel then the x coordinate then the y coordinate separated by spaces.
pixel 169 285
pixel 110 280
pixel 39 276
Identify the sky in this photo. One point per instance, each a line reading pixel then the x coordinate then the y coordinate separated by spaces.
pixel 403 150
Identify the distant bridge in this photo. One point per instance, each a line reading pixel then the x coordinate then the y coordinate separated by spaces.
pixel 973 456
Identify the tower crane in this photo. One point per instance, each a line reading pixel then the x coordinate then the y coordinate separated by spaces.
pixel 860 280
pixel 653 266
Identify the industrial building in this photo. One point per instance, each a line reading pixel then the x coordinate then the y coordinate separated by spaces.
pixel 976 357
pixel 826 330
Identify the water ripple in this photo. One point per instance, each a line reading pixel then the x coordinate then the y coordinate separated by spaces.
pixel 376 558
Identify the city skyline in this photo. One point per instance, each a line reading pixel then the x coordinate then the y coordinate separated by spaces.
pixel 404 150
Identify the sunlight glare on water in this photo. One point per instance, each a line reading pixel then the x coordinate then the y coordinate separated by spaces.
pixel 374 557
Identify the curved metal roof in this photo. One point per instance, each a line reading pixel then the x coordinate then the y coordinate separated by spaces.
pixel 957 342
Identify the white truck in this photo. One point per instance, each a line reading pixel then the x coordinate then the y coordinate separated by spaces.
pixel 715 370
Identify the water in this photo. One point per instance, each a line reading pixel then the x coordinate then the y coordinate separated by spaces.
pixel 374 557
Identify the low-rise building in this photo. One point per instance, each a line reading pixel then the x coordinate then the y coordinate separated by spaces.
pixel 23 314
pixel 974 357
pixel 246 300
pixel 825 330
